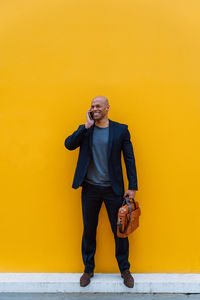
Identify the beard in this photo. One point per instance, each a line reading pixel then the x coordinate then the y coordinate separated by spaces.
pixel 99 116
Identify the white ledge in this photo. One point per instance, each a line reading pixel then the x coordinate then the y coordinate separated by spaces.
pixel 100 283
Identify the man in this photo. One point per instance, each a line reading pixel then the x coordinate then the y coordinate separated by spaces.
pixel 99 172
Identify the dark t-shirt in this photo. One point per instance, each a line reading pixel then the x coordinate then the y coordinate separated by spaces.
pixel 98 168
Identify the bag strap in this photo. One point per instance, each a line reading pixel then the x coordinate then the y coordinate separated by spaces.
pixel 130 210
pixel 128 200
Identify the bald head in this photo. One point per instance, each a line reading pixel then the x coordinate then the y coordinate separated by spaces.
pixel 103 99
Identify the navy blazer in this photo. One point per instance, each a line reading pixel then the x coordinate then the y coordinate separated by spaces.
pixel 119 140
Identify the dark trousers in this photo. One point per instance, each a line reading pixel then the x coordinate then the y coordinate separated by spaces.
pixel 92 197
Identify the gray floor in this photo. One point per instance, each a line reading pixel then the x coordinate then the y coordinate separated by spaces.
pixel 63 296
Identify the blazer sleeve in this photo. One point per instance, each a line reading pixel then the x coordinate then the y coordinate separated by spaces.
pixel 129 159
pixel 74 140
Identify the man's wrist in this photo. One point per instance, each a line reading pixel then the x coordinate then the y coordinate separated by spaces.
pixel 133 189
pixel 86 126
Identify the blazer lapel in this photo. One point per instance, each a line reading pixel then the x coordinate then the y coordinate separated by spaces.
pixel 111 133
pixel 91 129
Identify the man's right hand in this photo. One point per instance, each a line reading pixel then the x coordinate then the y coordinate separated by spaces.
pixel 89 122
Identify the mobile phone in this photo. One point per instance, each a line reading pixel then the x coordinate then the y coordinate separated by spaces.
pixel 91 115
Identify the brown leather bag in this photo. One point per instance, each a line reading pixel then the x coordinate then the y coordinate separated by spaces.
pixel 128 217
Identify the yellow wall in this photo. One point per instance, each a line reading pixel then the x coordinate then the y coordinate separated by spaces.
pixel 54 57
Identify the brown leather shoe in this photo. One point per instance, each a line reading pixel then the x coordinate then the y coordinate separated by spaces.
pixel 85 278
pixel 128 278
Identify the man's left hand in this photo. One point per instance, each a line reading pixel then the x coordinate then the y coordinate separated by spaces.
pixel 130 193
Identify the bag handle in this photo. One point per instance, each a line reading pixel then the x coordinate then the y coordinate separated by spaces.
pixel 129 200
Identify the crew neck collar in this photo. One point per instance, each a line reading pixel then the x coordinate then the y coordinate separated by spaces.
pixel 102 127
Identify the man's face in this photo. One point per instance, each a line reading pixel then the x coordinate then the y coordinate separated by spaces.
pixel 99 109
